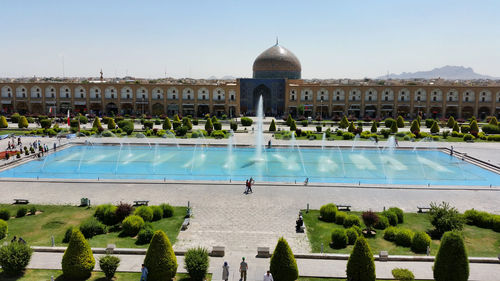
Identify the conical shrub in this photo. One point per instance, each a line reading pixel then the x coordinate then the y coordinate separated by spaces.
pixel 78 261
pixel 283 266
pixel 160 259
pixel 451 122
pixel 97 124
pixel 451 262
pixel 272 127
pixel 361 265
pixel 344 123
pixel 400 122
pixel 3 122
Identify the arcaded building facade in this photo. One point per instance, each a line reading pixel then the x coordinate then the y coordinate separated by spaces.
pixel 276 77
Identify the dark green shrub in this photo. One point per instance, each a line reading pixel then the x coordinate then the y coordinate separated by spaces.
pixel 474 128
pixel 420 242
pixel 233 125
pixel 33 210
pixel 399 213
pixel 78 261
pixel 160 259
pixel 157 213
pixel 445 218
pixel 196 262
pixel 404 237
pixel 358 229
pixel 415 127
pixel 390 233
pixel 293 126
pixel 495 223
pixel 400 122
pixel 92 227
pixel 181 130
pixel 451 263
pixel 23 122
pixel 391 216
pixel 339 238
pixel 166 124
pixel 168 210
pixel 218 134
pixel 145 212
pixel 352 235
pixel 283 265
pixel 4 214
pixel 468 137
pixel 4 229
pixel 382 223
pixel 347 136
pixel 111 124
pixel 123 210
pixel 451 122
pixel 245 121
pixel 344 123
pixel 126 126
pixel 351 128
pixel 484 220
pixel 429 122
pixel 14 258
pixel 21 212
pixel 45 123
pixel 272 127
pixel 340 217
pixel 108 265
pixel 491 129
pixel 144 236
pixel 388 122
pixel 131 225
pixel 493 121
pixel 403 274
pixel 148 124
pixel 373 129
pixel 394 127
pixel 67 234
pixel 361 265
pixel 106 214
pixel 327 212
pixel 435 127
pixel 351 220
pixel 209 127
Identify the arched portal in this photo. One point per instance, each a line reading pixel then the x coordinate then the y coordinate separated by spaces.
pixel 265 92
pixel 111 109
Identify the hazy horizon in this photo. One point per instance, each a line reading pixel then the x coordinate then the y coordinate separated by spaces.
pixel 199 39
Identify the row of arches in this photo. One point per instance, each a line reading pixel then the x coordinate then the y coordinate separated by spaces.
pixel 125 93
pixel 403 95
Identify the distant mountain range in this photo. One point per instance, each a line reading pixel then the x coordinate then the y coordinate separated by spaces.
pixel 448 72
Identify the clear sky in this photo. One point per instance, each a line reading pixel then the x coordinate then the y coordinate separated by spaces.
pixel 198 39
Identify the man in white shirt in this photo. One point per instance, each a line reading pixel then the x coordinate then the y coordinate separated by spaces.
pixel 268 276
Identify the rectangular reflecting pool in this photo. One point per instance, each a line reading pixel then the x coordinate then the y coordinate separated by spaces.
pixel 330 165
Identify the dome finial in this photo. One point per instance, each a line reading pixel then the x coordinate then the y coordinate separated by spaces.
pixel 276 40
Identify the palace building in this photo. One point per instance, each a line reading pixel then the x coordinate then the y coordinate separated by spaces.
pixel 276 77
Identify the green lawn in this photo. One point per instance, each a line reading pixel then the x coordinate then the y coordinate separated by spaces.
pixel 480 242
pixel 55 219
pixel 45 274
pixel 15 132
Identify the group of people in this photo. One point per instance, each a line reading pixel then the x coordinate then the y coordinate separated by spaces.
pixel 20 240
pixel 243 272
pixel 11 145
pixel 248 186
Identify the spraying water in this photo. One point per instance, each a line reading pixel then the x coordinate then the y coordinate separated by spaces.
pixel 258 136
pixel 323 141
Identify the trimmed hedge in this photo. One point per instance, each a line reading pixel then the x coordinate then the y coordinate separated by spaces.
pixel 283 265
pixel 21 212
pixel 327 212
pixel 420 242
pixel 14 258
pixel 391 216
pixel 78 261
pixel 168 210
pixel 108 265
pixel 390 233
pixel 351 220
pixel 4 214
pixel 403 274
pixel 92 227
pixel 399 213
pixel 404 237
pixel 144 236
pixel 196 262
pixel 245 121
pixel 4 229
pixel 361 265
pixel 145 212
pixel 339 238
pixel 131 225
pixel 157 213
pixel 160 259
pixel 451 261
pixel 106 213
pixel 352 235
pixel 382 223
pixel 340 217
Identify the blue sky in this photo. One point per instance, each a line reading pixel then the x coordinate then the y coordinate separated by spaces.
pixel 332 39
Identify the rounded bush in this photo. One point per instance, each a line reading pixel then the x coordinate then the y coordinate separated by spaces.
pixel 168 211
pixel 340 217
pixel 245 121
pixel 14 258
pixel 4 214
pixel 92 227
pixel 484 220
pixel 339 238
pixel 157 213
pixel 358 229
pixel 108 265
pixel 390 233
pixel 4 229
pixel 196 262
pixel 21 212
pixel 495 223
pixel 351 220
pixel 283 265
pixel 67 234
pixel 352 235
pixel 392 217
pixel 131 225
pixel 78 261
pixel 160 259
pixel 144 236
pixel 383 223
pixel 399 213
pixel 145 212
pixel 327 212
pixel 404 237
pixel 420 242
pixel 106 214
pixel 451 261
pixel 403 274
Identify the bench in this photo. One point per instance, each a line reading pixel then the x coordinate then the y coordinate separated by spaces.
pixel 344 208
pixel 217 251
pixel 423 209
pixel 185 224
pixel 21 201
pixel 141 202
pixel 469 141
pixel 263 252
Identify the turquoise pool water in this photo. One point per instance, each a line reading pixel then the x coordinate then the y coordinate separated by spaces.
pixel 277 164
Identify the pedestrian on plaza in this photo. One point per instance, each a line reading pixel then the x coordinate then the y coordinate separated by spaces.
pixel 144 273
pixel 243 269
pixel 306 182
pixel 225 271
pixel 247 184
pixel 396 141
pixel 451 151
pixel 268 276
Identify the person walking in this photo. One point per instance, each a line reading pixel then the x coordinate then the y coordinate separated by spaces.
pixel 243 269
pixel 268 276
pixel 225 271
pixel 144 273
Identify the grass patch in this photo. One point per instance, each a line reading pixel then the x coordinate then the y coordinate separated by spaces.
pixel 55 219
pixel 46 274
pixel 480 242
